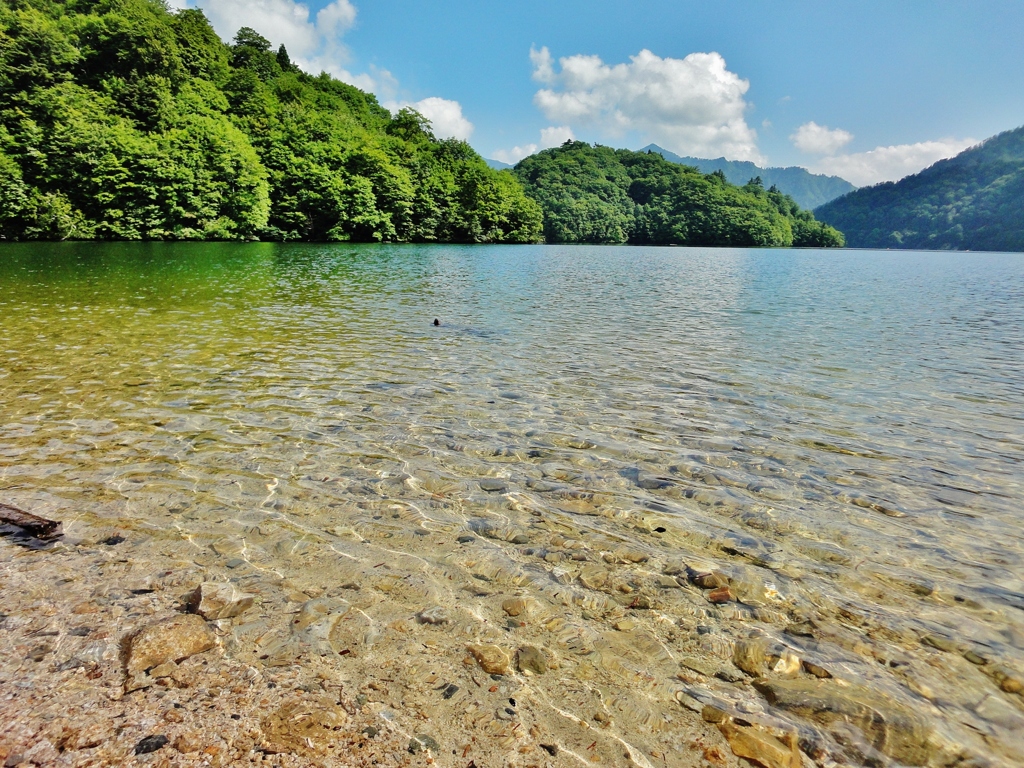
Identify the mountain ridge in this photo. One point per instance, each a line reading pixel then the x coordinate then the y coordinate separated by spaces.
pixel 974 201
pixel 810 190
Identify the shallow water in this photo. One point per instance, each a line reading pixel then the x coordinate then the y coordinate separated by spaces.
pixel 840 433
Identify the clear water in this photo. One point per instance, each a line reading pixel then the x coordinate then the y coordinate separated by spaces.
pixel 846 427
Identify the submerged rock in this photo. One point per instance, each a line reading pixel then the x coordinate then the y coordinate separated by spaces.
pixel 215 601
pixel 889 726
pixel 531 660
pixel 761 747
pixel 492 659
pixel 174 639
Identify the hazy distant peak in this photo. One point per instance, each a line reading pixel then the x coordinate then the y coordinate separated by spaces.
pixel 810 190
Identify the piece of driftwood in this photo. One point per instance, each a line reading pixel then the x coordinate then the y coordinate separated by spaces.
pixel 39 527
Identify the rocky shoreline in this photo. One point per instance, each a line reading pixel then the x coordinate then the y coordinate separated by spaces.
pixel 510 640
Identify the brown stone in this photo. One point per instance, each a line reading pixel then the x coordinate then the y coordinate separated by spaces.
pixel 492 659
pixel 214 601
pixel 891 727
pixel 531 660
pixel 174 639
pixel 721 595
pixel 712 580
pixel 762 748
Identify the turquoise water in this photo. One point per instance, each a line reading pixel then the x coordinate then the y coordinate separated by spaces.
pixel 845 427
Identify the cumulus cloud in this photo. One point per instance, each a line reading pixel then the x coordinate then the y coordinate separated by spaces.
pixel 445 116
pixel 553 136
pixel 314 42
pixel 693 106
pixel 890 163
pixel 817 139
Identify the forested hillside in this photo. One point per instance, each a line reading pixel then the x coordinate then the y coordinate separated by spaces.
pixel 594 194
pixel 121 120
pixel 808 189
pixel 974 201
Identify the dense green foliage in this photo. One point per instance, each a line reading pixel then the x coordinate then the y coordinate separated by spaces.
pixel 974 201
pixel 808 189
pixel 121 120
pixel 601 195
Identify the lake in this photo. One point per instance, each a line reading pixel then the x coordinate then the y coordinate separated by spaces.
pixel 607 437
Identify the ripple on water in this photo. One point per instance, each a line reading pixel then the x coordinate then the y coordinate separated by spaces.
pixel 588 432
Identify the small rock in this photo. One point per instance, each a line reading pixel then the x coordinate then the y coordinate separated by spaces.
pixel 236 562
pixel 1009 680
pixel 188 742
pixel 712 714
pixel 369 731
pixel 786 664
pixel 151 744
pixel 939 643
pixel 817 671
pixel 531 660
pixel 174 639
pixel 761 747
pixel 493 485
pixel 551 749
pixel 712 580
pixel 436 615
pixel 492 659
pixel 699 665
pixel 450 691
pixel 466 538
pixel 421 742
pixel 526 607
pixel 625 625
pixel 752 655
pixel 214 601
pixel 721 595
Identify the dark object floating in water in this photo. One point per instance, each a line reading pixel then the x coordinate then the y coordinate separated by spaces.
pixel 39 527
pixel 114 540
pixel 436 321
pixel 151 744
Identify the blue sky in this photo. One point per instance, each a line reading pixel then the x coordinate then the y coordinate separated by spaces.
pixel 864 89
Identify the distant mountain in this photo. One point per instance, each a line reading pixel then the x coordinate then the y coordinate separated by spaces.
pixel 809 189
pixel 497 164
pixel 974 201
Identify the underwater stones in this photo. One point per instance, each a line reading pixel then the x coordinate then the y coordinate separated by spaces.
pixel 531 660
pixel 1008 679
pixel 493 485
pixel 761 747
pixel 721 596
pixel 712 580
pixel 492 659
pixel 752 656
pixel 174 639
pixel 215 601
pixel 889 726
pixel 421 742
pixel 525 607
pixel 434 616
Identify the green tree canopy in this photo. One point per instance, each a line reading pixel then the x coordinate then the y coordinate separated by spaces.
pixel 123 120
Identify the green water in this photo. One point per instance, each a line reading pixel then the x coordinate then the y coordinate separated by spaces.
pixel 845 427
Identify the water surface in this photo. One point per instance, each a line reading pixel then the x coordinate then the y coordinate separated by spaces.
pixel 842 430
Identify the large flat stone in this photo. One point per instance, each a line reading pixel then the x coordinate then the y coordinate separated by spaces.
pixel 889 726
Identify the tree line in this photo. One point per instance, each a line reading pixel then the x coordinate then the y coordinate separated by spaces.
pixel 123 120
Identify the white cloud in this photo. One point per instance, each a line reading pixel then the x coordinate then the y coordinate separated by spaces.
pixel 820 139
pixel 554 136
pixel 890 163
pixel 313 42
pixel 445 116
pixel 694 106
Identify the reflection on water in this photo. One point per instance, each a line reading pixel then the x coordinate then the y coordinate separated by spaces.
pixel 839 434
